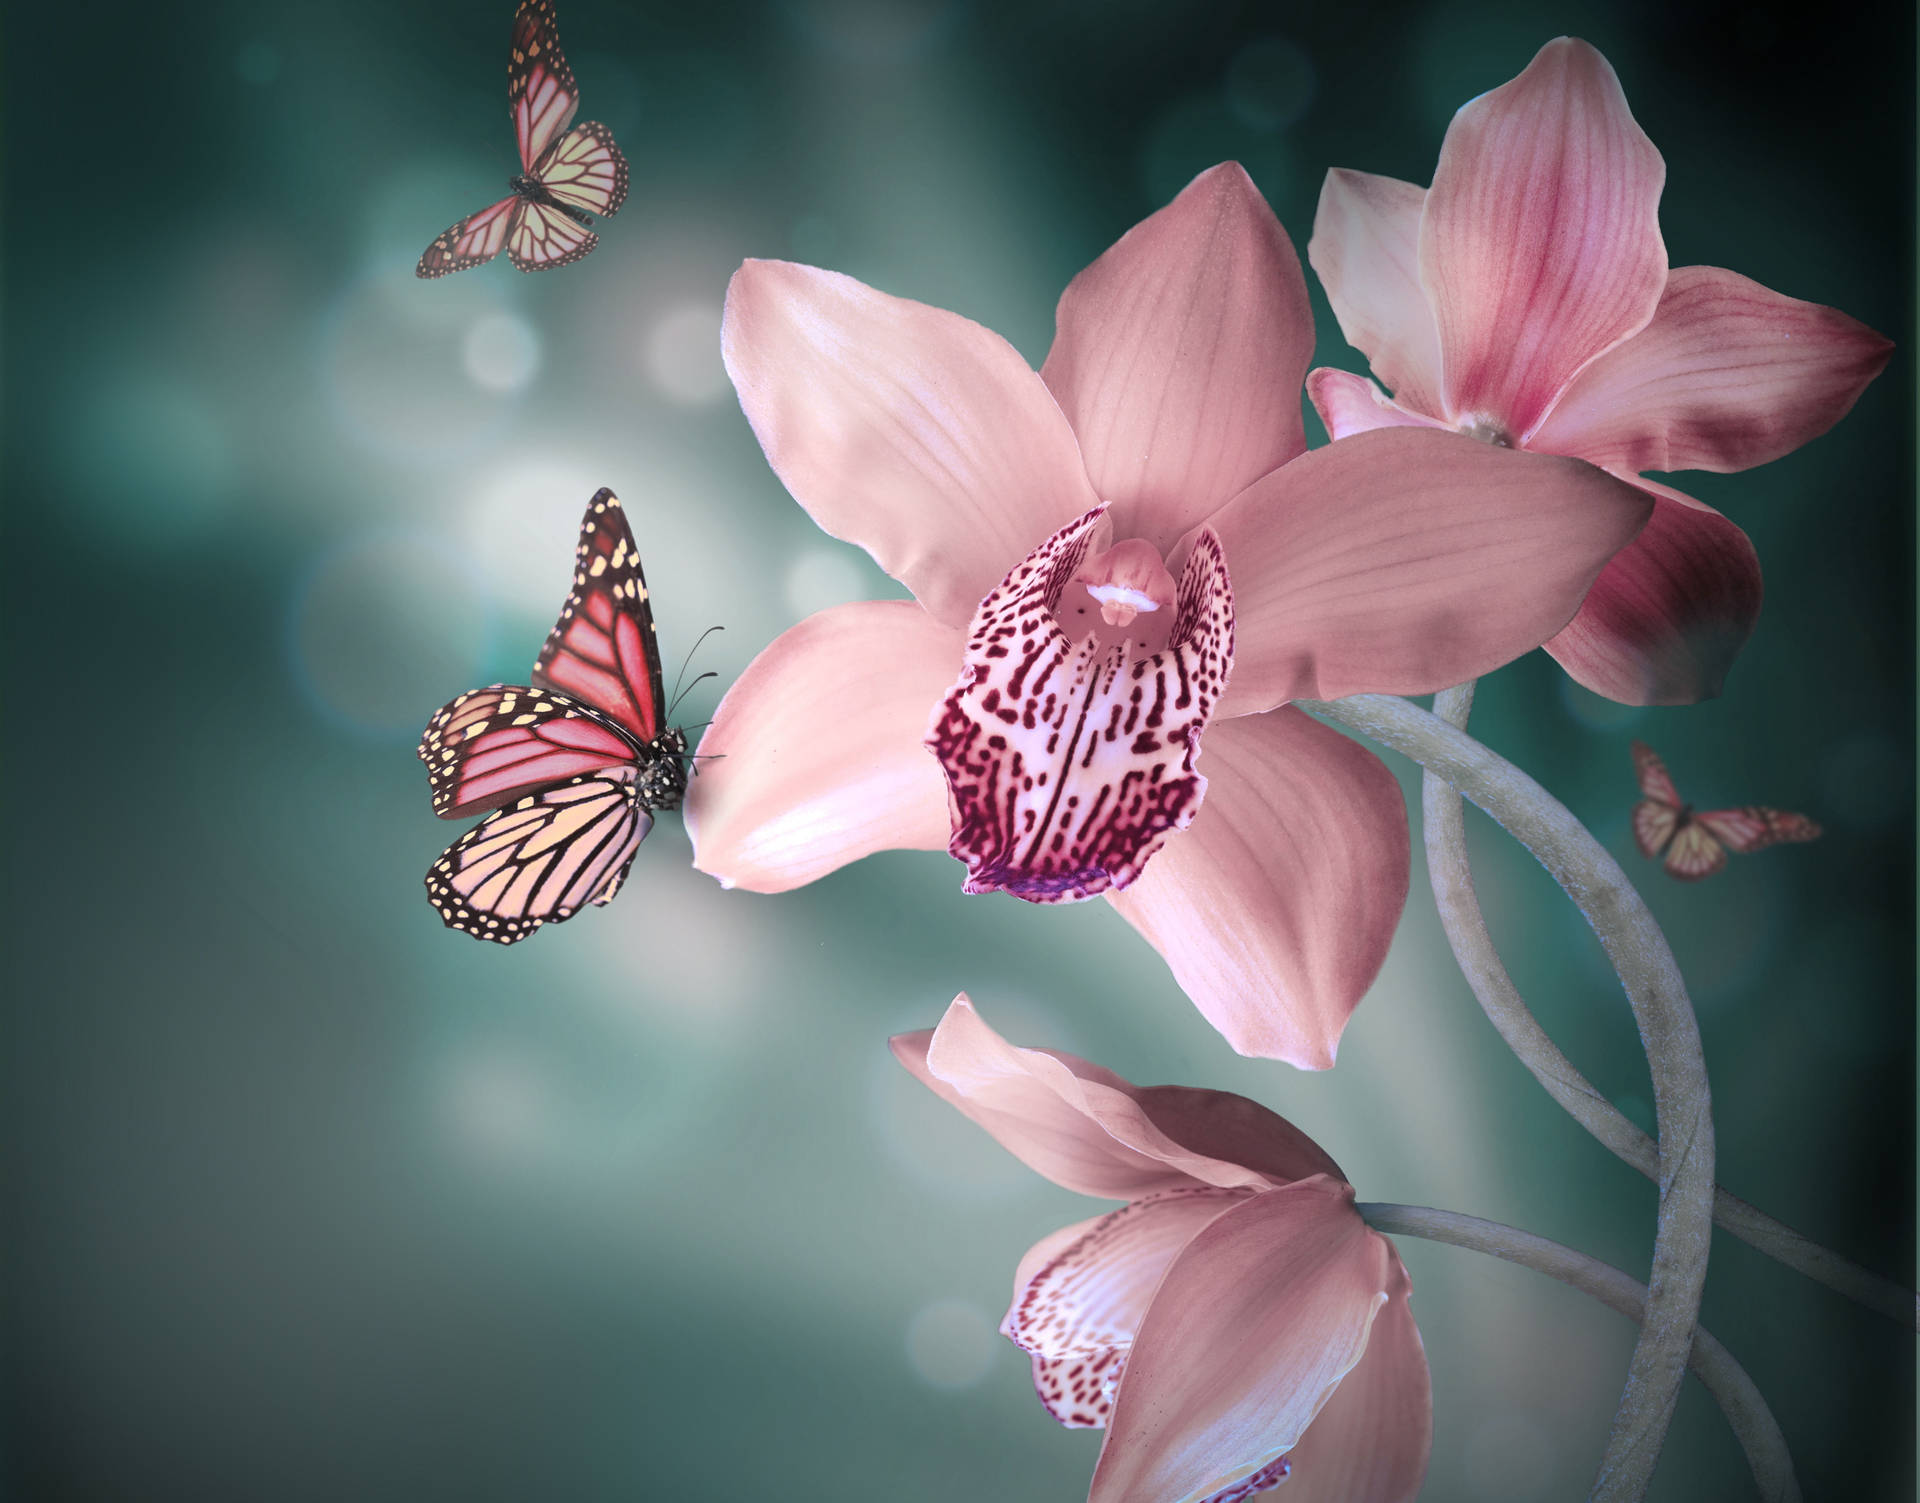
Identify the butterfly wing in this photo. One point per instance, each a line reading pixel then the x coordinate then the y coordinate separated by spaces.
pixel 1655 782
pixel 585 169
pixel 1695 852
pixel 474 241
pixel 541 93
pixel 544 238
pixel 540 859
pixel 1753 829
pixel 603 649
pixel 1653 825
pixel 492 745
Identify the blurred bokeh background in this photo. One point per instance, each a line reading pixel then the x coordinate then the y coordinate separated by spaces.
pixel 314 1199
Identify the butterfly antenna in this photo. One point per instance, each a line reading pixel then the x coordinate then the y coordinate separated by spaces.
pixel 688 659
pixel 710 673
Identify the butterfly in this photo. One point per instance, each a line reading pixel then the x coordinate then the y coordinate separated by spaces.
pixel 565 179
pixel 1696 842
pixel 572 767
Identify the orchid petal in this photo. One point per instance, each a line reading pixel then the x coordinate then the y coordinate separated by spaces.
pixel 1366 249
pixel 1728 375
pixel 1179 355
pixel 1665 620
pixel 1068 765
pixel 911 431
pixel 1257 1320
pixel 1230 1128
pixel 1405 560
pixel 1350 404
pixel 816 749
pixel 1079 1125
pixel 1541 244
pixel 1076 1312
pixel 1275 910
pixel 1371 1441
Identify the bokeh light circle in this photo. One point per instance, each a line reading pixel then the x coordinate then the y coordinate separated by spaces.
pixel 385 628
pixel 951 1344
pixel 1270 84
pixel 501 352
pixel 682 355
pixel 161 431
pixel 394 360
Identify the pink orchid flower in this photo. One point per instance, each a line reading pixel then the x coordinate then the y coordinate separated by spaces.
pixel 1235 1324
pixel 1110 557
pixel 1525 298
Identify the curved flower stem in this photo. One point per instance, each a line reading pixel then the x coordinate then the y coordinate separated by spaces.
pixel 1681 1102
pixel 1746 1411
pixel 1452 877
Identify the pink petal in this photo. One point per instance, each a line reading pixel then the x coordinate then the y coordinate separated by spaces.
pixel 1541 245
pixel 1405 560
pixel 1728 375
pixel 1260 1316
pixel 1221 1125
pixel 1370 1443
pixel 817 747
pixel 1668 616
pixel 1079 1125
pixel 1076 1312
pixel 913 432
pixel 1350 404
pixel 1366 248
pixel 1068 765
pixel 1179 354
pixel 1276 908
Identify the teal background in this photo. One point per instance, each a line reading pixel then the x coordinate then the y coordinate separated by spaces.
pixel 313 1199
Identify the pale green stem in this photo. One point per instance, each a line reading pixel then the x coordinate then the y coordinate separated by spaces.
pixel 1682 1108
pixel 1453 892
pixel 1752 1422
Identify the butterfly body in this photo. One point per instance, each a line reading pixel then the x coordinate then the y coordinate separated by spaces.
pixel 535 192
pixel 1693 843
pixel 570 769
pixel 566 176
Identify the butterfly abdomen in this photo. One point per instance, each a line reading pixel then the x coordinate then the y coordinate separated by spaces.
pixel 663 778
pixel 536 192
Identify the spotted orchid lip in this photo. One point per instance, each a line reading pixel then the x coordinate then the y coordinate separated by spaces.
pixel 1067 764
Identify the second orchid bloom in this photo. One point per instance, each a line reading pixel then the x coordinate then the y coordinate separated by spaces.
pixel 1236 1324
pixel 1116 561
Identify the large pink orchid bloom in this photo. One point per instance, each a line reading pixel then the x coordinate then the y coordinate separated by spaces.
pixel 1525 298
pixel 1236 1323
pixel 1109 557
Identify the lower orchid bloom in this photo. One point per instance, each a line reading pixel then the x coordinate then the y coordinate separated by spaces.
pixel 1525 298
pixel 1111 558
pixel 1235 1324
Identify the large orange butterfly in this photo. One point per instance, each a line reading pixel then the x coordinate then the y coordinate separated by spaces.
pixel 1696 842
pixel 565 178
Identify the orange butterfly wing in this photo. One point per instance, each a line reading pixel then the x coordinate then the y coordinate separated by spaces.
pixel 543 238
pixel 586 170
pixel 1653 826
pixel 1754 828
pixel 1655 781
pixel 474 241
pixel 541 93
pixel 1694 853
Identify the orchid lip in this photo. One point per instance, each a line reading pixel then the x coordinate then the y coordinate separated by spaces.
pixel 1068 762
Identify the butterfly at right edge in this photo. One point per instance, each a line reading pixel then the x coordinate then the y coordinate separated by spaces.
pixel 564 179
pixel 1695 842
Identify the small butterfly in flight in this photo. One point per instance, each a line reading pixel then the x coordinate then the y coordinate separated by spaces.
pixel 1696 841
pixel 572 766
pixel 564 179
